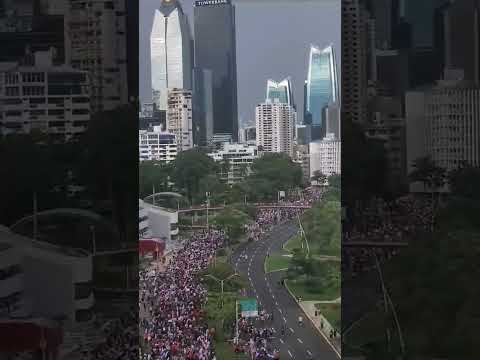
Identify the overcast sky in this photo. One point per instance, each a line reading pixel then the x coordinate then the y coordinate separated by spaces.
pixel 273 41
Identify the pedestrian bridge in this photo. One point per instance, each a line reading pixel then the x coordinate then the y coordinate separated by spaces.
pixel 375 244
pixel 258 206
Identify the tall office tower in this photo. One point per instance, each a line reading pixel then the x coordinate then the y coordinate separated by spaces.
pixel 462 38
pixel 215 49
pixel 382 11
pixel 354 61
pixel 202 106
pixel 332 120
pixel 281 90
pixel 322 86
pixel 275 127
pixel 95 41
pixel 35 97
pixel 171 51
pixel 179 117
pixel 303 134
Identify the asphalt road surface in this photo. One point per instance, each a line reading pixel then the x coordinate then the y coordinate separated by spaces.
pixel 299 342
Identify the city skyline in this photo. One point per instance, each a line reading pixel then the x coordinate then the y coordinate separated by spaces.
pixel 259 60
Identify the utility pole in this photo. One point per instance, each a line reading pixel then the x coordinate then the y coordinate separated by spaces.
pixel 35 218
pixel 94 242
pixel 207 194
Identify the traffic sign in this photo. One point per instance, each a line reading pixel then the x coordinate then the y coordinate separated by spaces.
pixel 248 308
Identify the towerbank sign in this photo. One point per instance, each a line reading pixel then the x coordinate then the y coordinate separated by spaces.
pixel 211 2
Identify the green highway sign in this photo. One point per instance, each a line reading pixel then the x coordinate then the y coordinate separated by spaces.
pixel 248 308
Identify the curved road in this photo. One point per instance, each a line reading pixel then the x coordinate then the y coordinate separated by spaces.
pixel 299 342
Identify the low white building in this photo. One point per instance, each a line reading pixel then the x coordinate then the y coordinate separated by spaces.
pixel 325 156
pixel 31 271
pixel 239 158
pixel 156 145
pixel 159 222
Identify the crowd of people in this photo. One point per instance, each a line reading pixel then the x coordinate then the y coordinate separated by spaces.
pixel 172 322
pixel 255 340
pixel 388 222
pixel 171 301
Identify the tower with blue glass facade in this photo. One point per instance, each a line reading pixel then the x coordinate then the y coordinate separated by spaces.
pixel 321 87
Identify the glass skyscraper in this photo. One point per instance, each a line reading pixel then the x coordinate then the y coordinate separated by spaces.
pixel 321 88
pixel 215 50
pixel 281 90
pixel 171 51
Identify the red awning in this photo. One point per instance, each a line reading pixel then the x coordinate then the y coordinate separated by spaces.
pixel 151 246
pixel 28 336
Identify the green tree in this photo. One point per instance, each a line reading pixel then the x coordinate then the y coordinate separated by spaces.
pixel 464 182
pixel 231 220
pixel 153 174
pixel 271 173
pixel 189 168
pixel 319 177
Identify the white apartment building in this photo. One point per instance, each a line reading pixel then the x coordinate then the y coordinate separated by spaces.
pixel 95 41
pixel 325 156
pixel 179 117
pixel 443 122
pixel 156 145
pixel 52 99
pixel 239 158
pixel 275 127
pixel 32 270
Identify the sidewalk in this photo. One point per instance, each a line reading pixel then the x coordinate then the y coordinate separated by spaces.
pixel 308 308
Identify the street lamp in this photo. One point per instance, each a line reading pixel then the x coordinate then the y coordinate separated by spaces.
pixel 221 281
pixel 94 242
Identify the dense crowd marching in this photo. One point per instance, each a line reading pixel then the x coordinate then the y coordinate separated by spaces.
pixel 172 321
pixel 382 221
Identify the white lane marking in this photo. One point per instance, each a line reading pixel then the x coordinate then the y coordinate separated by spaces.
pixel 289 353
pixel 281 312
pixel 293 332
pixel 309 352
pixel 281 341
pixel 284 319
pixel 300 340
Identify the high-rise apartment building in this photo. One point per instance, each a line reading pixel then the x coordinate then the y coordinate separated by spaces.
pixel 354 61
pixel 95 41
pixel 322 86
pixel 215 50
pixel 171 51
pixel 325 156
pixel 41 96
pixel 282 90
pixel 179 117
pixel 275 127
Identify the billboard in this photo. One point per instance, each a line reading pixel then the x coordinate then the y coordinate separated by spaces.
pixel 248 308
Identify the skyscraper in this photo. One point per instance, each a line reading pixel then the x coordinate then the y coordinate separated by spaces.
pixel 275 127
pixel 281 90
pixel 215 50
pixel 95 41
pixel 322 86
pixel 202 106
pixel 171 51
